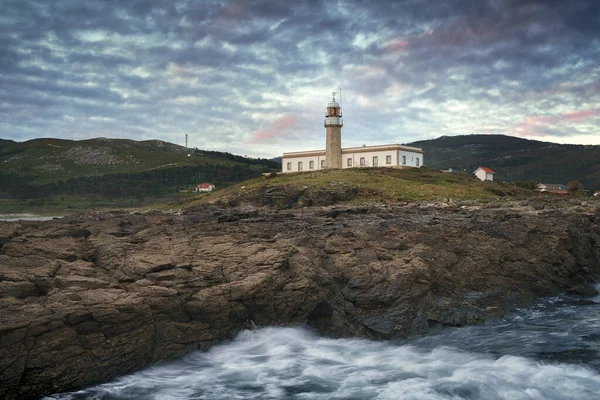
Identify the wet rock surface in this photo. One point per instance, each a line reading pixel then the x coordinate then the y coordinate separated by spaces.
pixel 84 299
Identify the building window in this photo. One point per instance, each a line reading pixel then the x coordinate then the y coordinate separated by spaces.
pixel 322 163
pixel 299 165
pixel 311 165
pixel 388 159
pixel 289 166
pixel 403 160
pixel 375 161
pixel 417 161
pixel 362 161
pixel 349 162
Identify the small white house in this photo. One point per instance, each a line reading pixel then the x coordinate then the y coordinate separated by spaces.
pixel 484 174
pixel 556 188
pixel 205 187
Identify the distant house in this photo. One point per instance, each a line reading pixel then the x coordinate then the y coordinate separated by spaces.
pixel 484 174
pixel 205 187
pixel 597 194
pixel 555 188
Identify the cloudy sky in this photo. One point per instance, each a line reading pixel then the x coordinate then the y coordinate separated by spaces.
pixel 253 76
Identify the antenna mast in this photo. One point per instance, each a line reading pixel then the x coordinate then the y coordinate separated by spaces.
pixel 341 109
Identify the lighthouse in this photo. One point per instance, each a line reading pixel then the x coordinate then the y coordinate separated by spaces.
pixel 333 134
pixel 334 157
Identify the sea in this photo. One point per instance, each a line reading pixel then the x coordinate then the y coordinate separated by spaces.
pixel 27 217
pixel 550 351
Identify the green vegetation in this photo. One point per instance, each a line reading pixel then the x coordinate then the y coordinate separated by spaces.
pixel 515 159
pixel 357 185
pixel 66 205
pixel 55 174
pixel 156 182
pixel 5 143
pixel 43 161
pixel 525 184
pixel 66 176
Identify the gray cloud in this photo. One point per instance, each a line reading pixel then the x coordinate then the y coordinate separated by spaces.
pixel 253 77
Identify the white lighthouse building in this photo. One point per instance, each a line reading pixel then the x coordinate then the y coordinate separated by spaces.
pixel 334 156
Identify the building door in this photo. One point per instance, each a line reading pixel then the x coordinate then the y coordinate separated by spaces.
pixel 375 162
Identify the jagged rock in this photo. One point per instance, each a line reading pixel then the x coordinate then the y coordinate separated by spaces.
pixel 88 298
pixel 582 290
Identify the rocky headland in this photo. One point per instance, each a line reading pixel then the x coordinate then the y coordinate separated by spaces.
pixel 88 298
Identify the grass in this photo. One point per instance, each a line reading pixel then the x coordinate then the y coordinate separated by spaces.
pixel 364 185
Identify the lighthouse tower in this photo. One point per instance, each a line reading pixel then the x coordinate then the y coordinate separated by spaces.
pixel 333 132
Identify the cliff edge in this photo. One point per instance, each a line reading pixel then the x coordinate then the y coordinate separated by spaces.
pixel 88 298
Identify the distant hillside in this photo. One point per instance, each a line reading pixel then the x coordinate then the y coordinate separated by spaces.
pixel 4 143
pixel 515 159
pixel 115 168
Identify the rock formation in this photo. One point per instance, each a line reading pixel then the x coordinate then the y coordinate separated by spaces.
pixel 84 299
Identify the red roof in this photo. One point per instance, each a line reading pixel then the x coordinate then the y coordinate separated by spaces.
pixel 486 169
pixel 204 185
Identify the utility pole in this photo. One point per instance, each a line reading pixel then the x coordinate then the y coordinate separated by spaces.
pixel 186 137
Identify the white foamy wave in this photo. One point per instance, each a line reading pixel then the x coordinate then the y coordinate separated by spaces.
pixel 294 363
pixel 26 217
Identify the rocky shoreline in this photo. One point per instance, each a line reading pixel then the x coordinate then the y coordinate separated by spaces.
pixel 88 298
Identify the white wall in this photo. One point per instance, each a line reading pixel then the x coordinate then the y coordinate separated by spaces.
pixel 413 159
pixel 355 157
pixel 305 163
pixel 484 176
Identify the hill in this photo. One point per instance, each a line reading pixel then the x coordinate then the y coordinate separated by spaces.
pixel 515 159
pixel 355 185
pixel 5 143
pixel 51 160
pixel 115 168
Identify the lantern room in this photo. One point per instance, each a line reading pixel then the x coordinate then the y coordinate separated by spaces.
pixel 333 116
pixel 333 108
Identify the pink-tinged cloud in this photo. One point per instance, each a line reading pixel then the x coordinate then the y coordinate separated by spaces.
pixel 452 34
pixel 235 10
pixel 278 128
pixel 462 31
pixel 570 116
pixel 471 28
pixel 180 71
pixel 529 127
pixel 396 45
pixel 365 70
pixel 577 88
pixel 577 115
